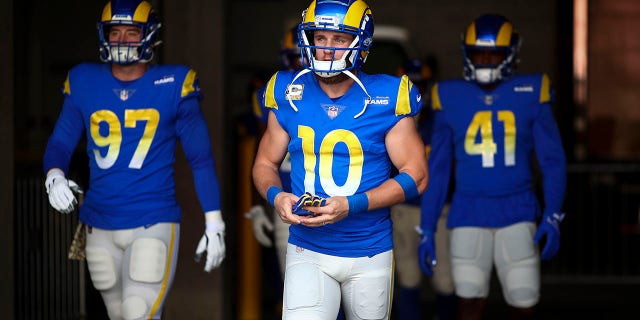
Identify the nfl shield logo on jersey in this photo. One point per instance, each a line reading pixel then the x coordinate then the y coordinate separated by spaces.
pixel 488 100
pixel 332 110
pixel 123 94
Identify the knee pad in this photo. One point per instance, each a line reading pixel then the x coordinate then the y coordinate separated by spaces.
pixel 101 268
pixel 470 282
pixel 300 284
pixel 148 260
pixel 518 265
pixel 521 289
pixel 471 261
pixel 371 299
pixel 114 310
pixel 133 307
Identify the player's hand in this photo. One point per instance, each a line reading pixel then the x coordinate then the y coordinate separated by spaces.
pixel 212 241
pixel 426 251
pixel 324 211
pixel 60 191
pixel 283 205
pixel 261 224
pixel 549 228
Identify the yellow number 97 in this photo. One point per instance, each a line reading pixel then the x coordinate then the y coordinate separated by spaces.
pixel 113 140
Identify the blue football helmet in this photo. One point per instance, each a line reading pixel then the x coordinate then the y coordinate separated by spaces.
pixel 348 16
pixel 495 33
pixel 128 12
pixel 290 57
pixel 418 72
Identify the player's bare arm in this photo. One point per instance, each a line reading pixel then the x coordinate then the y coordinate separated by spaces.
pixel 406 150
pixel 271 152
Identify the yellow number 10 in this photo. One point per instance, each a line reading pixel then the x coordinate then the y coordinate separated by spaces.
pixel 325 163
pixel 113 139
pixel 487 148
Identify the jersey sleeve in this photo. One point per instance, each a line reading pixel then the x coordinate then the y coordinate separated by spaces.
pixel 194 136
pixel 440 165
pixel 409 100
pixel 549 150
pixel 67 132
pixel 190 86
pixel 275 97
pixel 269 98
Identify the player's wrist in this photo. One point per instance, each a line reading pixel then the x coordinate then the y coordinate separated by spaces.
pixel 272 193
pixel 425 231
pixel 358 202
pixel 553 218
pixel 214 216
pixel 214 222
pixel 52 175
pixel 55 173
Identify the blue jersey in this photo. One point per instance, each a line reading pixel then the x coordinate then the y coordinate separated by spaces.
pixel 491 137
pixel 132 130
pixel 337 148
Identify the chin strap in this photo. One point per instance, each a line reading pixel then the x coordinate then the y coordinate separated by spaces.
pixel 366 101
pixel 349 74
pixel 293 106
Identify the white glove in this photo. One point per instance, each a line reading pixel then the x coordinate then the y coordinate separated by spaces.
pixel 212 241
pixel 60 191
pixel 260 222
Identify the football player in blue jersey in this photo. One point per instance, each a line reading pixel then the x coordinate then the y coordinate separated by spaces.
pixel 491 127
pixel 344 131
pixel 290 60
pixel 133 113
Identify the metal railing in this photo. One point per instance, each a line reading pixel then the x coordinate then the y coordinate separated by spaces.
pixel 601 232
pixel 47 284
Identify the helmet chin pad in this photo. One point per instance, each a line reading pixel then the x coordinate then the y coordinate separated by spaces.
pixel 124 54
pixel 322 68
pixel 487 75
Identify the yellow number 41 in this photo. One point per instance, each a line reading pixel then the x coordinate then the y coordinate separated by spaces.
pixel 481 123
